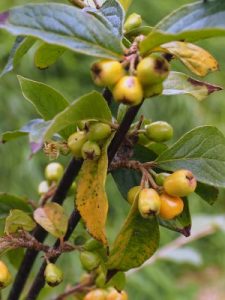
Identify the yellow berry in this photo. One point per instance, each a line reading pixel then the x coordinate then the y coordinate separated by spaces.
pixel 133 193
pixel 170 206
pixel 5 275
pixel 54 171
pixel 115 295
pixel 97 294
pixel 53 275
pixel 91 150
pixel 149 203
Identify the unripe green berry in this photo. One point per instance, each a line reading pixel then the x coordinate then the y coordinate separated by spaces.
pixel 133 193
pixel 5 275
pixel 91 150
pixel 160 178
pixel 89 260
pixel 43 187
pixel 181 183
pixel 54 171
pixel 133 21
pixel 92 244
pixel 153 90
pixel 152 70
pixel 53 275
pixel 99 131
pixel 76 142
pixel 128 91
pixel 159 131
pixel 149 203
pixel 107 72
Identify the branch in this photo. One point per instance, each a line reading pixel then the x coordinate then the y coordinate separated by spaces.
pixel 124 127
pixel 40 234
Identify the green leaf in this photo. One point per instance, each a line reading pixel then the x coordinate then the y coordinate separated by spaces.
pixel 8 202
pixel 181 84
pixel 21 46
pixel 111 15
pixel 46 55
pixel 52 218
pixel 91 198
pixel 125 3
pixel 136 242
pixel 207 193
pixel 181 223
pixel 190 23
pixel 202 151
pixel 62 25
pixel 17 220
pixel 24 131
pixel 91 106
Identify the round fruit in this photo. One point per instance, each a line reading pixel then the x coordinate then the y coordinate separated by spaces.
pixel 115 295
pixel 89 260
pixel 54 171
pixel 91 150
pixel 152 70
pixel 128 91
pixel 43 188
pixel 76 142
pixel 159 131
pixel 149 203
pixel 106 72
pixel 5 275
pixel 133 193
pixel 99 131
pixel 133 21
pixel 53 275
pixel 153 90
pixel 181 183
pixel 170 206
pixel 97 294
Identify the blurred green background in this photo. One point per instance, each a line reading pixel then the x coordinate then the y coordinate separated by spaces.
pixel 164 280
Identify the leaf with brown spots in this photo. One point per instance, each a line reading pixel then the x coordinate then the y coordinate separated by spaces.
pixel 91 198
pixel 181 84
pixel 52 218
pixel 196 59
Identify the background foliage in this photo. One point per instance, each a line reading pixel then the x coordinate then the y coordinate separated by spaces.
pixel 19 174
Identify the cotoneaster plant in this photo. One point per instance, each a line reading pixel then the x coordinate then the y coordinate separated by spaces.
pixel 102 134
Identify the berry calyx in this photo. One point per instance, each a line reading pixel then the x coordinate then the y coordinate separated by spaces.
pixel 106 72
pixel 99 131
pixel 159 131
pixel 5 275
pixel 181 183
pixel 149 203
pixel 97 294
pixel 43 187
pixel 53 275
pixel 153 90
pixel 170 206
pixel 75 143
pixel 89 260
pixel 91 150
pixel 54 171
pixel 133 193
pixel 152 70
pixel 128 91
pixel 133 21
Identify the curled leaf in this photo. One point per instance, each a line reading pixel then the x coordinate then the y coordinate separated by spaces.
pixel 52 218
pixel 17 220
pixel 196 59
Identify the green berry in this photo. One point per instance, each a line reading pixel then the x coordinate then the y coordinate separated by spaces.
pixel 98 132
pixel 159 131
pixel 76 142
pixel 89 260
pixel 54 171
pixel 128 91
pixel 91 150
pixel 92 244
pixel 133 21
pixel 152 70
pixel 53 275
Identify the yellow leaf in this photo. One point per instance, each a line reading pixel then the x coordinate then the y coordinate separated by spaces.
pixel 196 59
pixel 91 198
pixel 125 3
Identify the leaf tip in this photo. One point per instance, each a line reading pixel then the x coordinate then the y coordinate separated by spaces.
pixel 186 231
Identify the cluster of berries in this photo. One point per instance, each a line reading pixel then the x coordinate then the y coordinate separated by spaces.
pixel 147 80
pixel 168 202
pixel 87 142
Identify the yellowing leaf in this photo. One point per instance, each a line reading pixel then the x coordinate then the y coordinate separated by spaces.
pixel 52 218
pixel 136 242
pixel 91 198
pixel 18 219
pixel 196 59
pixel 125 3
